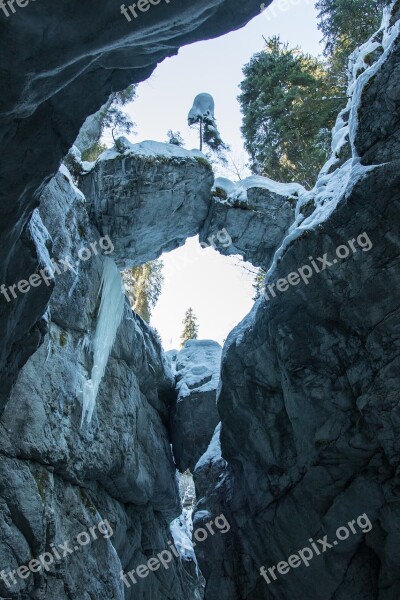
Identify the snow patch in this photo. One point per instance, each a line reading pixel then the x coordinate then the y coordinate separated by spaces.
pixel 181 530
pixel 41 237
pixel 151 149
pixel 213 452
pixel 198 367
pixel 64 171
pixel 237 191
pixel 203 108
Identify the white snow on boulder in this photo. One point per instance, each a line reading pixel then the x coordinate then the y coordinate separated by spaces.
pixel 150 149
pixel 237 191
pixel 198 367
pixel 213 452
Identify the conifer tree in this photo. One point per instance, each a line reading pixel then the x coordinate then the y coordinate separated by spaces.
pixel 175 138
pixel 202 114
pixel 190 327
pixel 143 285
pixel 112 117
pixel 288 113
pixel 345 25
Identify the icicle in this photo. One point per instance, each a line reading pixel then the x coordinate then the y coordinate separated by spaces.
pixel 108 320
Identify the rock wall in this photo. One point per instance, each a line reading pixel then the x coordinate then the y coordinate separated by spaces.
pixel 308 400
pixel 148 199
pixel 194 414
pixel 256 211
pixel 59 63
pixel 309 383
pixel 60 477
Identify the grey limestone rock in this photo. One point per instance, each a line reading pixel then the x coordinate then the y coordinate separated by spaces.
pixel 149 199
pixel 194 415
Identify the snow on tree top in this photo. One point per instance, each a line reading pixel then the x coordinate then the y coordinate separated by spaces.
pixel 203 107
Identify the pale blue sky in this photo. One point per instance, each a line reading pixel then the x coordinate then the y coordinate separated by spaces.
pixel 219 291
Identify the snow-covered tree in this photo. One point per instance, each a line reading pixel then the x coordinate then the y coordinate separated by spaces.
pixel 190 327
pixel 175 138
pixel 202 113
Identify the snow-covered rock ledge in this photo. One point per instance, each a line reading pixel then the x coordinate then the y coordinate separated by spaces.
pixel 149 198
pixel 257 212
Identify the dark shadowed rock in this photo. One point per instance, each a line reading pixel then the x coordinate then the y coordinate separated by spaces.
pixel 194 416
pixel 308 398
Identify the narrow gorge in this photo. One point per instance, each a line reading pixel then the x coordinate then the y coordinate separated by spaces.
pixel 277 439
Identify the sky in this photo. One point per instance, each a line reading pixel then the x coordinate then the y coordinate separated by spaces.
pixel 217 288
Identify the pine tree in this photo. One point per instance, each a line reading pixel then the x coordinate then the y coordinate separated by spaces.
pixel 143 285
pixel 259 284
pixel 345 25
pixel 110 117
pixel 202 113
pixel 288 112
pixel 190 327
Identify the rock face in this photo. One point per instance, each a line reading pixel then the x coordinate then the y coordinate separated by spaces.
pixel 149 199
pixel 59 478
pixel 308 448
pixel 194 415
pixel 116 469
pixel 257 212
pixel 309 382
pixel 211 476
pixel 59 63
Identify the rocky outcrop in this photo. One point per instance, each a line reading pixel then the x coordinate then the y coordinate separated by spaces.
pixel 149 199
pixel 212 482
pixel 61 476
pixel 256 211
pixel 194 414
pixel 308 397
pixel 59 63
